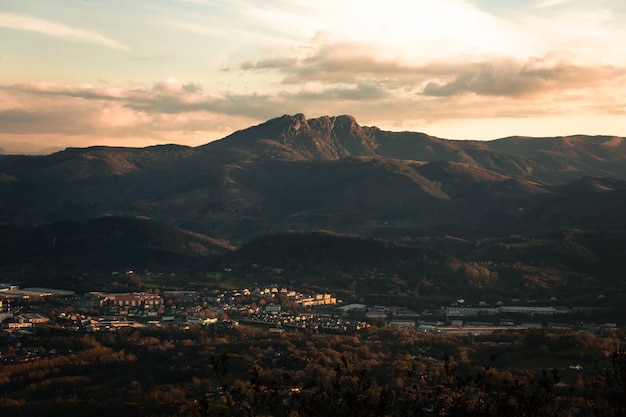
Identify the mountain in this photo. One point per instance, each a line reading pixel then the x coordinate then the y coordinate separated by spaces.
pixel 570 157
pixel 389 216
pixel 559 159
pixel 294 138
pixel 294 173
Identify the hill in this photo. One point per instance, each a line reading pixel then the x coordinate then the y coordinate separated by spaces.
pixel 570 157
pixel 66 250
pixel 574 266
pixel 571 266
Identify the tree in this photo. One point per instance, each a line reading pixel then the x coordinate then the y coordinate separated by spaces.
pixel 606 391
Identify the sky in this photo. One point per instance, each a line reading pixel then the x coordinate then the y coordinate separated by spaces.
pixel 145 72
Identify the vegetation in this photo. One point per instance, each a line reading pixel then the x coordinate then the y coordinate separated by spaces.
pixel 569 267
pixel 249 372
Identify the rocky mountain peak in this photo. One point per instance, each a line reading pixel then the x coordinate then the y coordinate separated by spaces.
pixel 298 123
pixel 333 122
pixel 295 137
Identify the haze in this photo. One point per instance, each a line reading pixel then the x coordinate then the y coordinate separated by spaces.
pixel 119 73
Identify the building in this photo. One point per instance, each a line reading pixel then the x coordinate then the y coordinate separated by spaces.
pixel 135 300
pixel 273 309
pixel 469 311
pixel 32 318
pixel 318 300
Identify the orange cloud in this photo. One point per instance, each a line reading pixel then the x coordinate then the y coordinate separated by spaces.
pixel 514 78
pixel 341 63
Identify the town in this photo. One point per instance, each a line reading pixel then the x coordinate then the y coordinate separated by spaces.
pixel 181 350
pixel 270 307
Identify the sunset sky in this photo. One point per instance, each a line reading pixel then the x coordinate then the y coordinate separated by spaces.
pixel 145 72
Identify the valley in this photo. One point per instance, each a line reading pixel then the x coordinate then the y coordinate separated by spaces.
pixel 303 264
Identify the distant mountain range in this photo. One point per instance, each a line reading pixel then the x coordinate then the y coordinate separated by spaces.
pixel 27 149
pixel 387 212
pixel 291 173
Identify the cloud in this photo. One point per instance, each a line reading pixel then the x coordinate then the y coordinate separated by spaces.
pixel 57 30
pixel 172 97
pixel 337 64
pixel 514 78
pixel 131 115
pixel 553 3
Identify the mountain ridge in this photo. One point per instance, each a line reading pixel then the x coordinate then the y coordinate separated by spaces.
pixel 333 137
pixel 291 172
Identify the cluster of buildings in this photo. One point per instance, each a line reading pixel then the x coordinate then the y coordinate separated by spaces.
pixel 10 292
pixel 158 308
pixel 278 322
pixel 11 295
pixel 274 292
pixel 273 307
